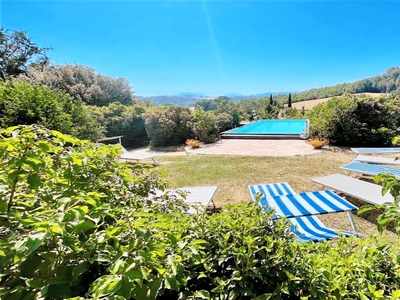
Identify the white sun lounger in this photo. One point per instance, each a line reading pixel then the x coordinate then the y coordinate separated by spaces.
pixel 369 169
pixel 376 150
pixel 365 191
pixel 307 228
pixel 138 156
pixel 199 195
pixel 377 160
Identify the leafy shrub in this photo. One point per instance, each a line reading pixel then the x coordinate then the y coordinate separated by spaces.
pixel 205 125
pixel 291 113
pixel 355 121
pixel 24 103
pixel 226 105
pixel 128 121
pixel 74 222
pixel 350 269
pixel 224 122
pixel 262 107
pixel 168 125
pixel 64 213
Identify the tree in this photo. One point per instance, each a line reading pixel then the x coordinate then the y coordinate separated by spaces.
pixel 83 83
pixel 290 100
pixel 25 103
pixel 17 52
pixel 271 101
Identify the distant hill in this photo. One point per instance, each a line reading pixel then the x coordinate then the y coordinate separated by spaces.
pixel 192 95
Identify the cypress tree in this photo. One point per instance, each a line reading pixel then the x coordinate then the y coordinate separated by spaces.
pixel 290 100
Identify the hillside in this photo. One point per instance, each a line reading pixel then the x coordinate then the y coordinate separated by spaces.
pixel 308 104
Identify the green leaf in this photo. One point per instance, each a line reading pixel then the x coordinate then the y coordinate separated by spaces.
pixel 202 294
pixel 106 285
pixel 34 242
pixel 365 208
pixel 33 181
pixel 55 228
pixel 155 287
pixel 395 295
pixel 28 267
pixel 58 291
pixel 83 226
pixel 79 270
pixel 136 276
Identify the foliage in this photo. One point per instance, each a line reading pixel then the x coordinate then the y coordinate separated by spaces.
pixel 66 214
pixel 205 125
pixel 224 122
pixel 262 106
pixel 291 113
pixel 226 105
pixel 350 269
pixel 24 103
pixel 168 125
pixel 128 121
pixel 17 52
pixel 82 83
pixel 289 100
pixel 74 224
pixel 355 121
pixel 207 104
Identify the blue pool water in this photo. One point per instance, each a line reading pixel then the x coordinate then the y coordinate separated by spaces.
pixel 273 127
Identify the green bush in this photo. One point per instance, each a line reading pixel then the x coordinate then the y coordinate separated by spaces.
pixel 262 107
pixel 168 125
pixel 351 269
pixel 224 122
pixel 76 223
pixel 356 121
pixel 65 210
pixel 24 103
pixel 205 125
pixel 128 121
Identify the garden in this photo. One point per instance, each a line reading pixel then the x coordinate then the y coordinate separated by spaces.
pixel 77 223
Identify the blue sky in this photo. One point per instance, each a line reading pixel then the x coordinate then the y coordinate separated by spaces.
pixel 216 47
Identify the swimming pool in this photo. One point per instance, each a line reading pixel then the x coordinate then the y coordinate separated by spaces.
pixel 270 128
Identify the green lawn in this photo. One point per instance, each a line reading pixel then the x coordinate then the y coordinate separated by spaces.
pixel 233 174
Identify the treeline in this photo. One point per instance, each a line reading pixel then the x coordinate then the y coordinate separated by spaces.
pixel 386 83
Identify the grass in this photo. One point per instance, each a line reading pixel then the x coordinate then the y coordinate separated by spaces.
pixel 233 174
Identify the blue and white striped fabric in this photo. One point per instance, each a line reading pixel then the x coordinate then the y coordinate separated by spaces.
pixel 310 228
pixel 287 203
pixel 272 189
pixel 306 204
pixel 369 169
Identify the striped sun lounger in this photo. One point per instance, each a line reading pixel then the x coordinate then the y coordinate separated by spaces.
pixel 369 169
pixel 306 226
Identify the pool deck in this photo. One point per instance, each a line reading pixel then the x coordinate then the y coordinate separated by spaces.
pixel 255 148
pixel 244 148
